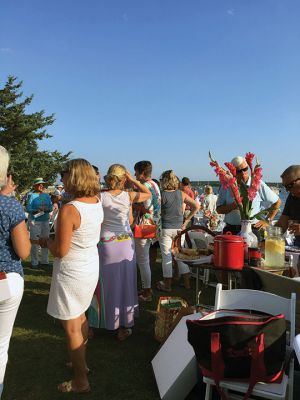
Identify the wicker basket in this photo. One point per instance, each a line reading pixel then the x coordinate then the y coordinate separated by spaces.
pixel 168 309
pixel 176 244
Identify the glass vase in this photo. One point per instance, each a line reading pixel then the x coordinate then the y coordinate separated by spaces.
pixel 249 237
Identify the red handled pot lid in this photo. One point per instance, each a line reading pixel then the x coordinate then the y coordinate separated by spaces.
pixel 228 237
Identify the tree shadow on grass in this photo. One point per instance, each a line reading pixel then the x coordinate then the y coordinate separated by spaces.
pixel 37 355
pixel 118 369
pixel 40 270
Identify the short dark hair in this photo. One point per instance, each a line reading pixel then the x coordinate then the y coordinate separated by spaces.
pixel 185 181
pixel 96 169
pixel 144 167
pixel 292 170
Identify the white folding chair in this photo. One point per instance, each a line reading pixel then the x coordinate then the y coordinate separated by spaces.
pixel 297 347
pixel 245 299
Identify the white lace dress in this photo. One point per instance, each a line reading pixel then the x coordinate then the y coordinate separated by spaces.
pixel 75 275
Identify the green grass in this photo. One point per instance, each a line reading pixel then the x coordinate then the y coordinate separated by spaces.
pixel 37 354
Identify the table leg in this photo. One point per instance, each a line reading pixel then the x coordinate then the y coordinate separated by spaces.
pixel 206 277
pixel 197 284
pixel 229 280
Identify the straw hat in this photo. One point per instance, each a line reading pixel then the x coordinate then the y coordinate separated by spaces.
pixel 38 181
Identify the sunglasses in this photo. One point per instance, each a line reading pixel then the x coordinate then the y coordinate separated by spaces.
pixel 290 185
pixel 239 171
pixel 63 173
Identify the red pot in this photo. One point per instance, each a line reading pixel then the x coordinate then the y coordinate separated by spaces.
pixel 229 251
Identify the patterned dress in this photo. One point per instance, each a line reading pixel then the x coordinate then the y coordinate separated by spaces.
pixel 153 206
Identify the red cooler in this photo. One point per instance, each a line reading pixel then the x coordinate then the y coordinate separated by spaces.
pixel 229 251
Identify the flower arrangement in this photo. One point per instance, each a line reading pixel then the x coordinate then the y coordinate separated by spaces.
pixel 212 218
pixel 242 193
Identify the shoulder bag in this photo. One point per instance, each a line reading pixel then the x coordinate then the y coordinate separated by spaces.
pixel 238 345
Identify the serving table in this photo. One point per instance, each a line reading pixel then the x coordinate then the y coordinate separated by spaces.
pixel 231 276
pixel 274 282
pixel 226 274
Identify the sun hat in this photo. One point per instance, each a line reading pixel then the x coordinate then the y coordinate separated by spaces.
pixel 59 185
pixel 38 181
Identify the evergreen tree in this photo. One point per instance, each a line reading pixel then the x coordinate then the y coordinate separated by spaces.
pixel 20 133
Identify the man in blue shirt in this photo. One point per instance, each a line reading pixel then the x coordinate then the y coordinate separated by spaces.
pixel 38 207
pixel 226 204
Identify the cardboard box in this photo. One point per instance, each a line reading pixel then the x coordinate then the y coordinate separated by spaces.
pixel 174 365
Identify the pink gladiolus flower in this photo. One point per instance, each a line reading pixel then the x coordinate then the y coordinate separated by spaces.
pixel 255 182
pixel 249 158
pixel 236 194
pixel 255 186
pixel 251 193
pixel 231 168
pixel 231 181
pixel 258 172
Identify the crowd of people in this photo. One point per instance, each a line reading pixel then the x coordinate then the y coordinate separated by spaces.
pixel 94 281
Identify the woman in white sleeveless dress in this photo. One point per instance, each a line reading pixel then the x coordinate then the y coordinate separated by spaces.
pixel 76 264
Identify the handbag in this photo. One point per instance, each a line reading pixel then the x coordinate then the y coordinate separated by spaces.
pixel 238 345
pixel 145 231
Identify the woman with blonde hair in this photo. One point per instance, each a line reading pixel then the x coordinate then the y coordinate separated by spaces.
pixel 173 201
pixel 209 199
pixel 76 264
pixel 14 246
pixel 117 250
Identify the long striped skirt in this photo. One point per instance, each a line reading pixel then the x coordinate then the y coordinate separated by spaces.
pixel 119 279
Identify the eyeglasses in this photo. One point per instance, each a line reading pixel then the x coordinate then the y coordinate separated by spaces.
pixel 290 185
pixel 239 171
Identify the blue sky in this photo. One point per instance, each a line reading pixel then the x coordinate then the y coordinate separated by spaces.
pixel 164 80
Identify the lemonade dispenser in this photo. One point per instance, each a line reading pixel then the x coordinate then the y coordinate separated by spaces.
pixel 274 248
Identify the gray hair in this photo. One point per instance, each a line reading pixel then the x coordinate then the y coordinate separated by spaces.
pixel 292 171
pixel 237 161
pixel 4 161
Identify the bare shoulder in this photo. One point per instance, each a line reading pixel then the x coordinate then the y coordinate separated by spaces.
pixel 184 195
pixel 68 210
pixel 68 216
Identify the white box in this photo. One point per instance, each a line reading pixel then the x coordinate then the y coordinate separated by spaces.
pixel 175 366
pixel 5 292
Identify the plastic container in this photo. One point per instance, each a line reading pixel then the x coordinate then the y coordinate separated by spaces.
pixel 254 256
pixel 229 251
